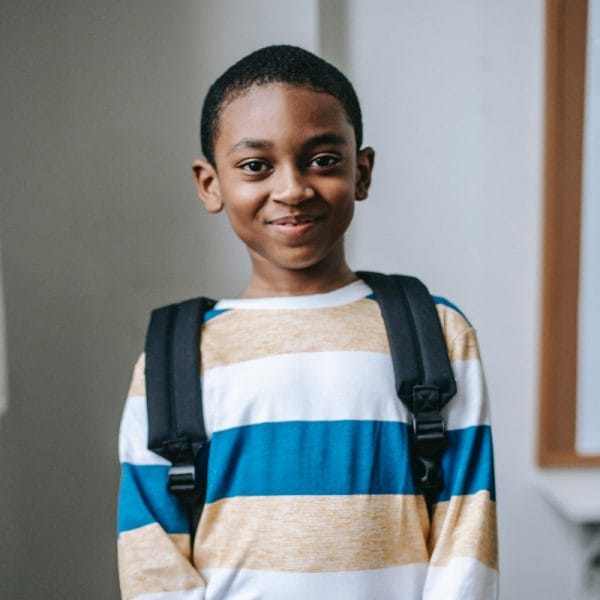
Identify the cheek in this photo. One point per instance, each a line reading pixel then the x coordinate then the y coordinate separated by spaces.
pixel 341 197
pixel 340 187
pixel 243 201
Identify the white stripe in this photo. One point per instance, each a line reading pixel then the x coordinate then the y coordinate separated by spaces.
pixel 461 578
pixel 341 385
pixel 345 295
pixel 195 594
pixel 315 386
pixel 133 434
pixel 326 386
pixel 404 582
pixel 470 406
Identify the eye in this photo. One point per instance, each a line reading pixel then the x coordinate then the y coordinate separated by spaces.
pixel 325 160
pixel 254 166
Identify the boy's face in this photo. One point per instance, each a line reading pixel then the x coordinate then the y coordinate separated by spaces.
pixel 287 174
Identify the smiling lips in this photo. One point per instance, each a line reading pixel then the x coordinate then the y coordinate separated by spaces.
pixel 293 224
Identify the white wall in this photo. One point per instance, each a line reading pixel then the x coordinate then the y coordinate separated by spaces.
pixel 99 222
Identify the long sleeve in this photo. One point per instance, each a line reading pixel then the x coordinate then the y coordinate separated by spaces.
pixel 153 533
pixel 463 540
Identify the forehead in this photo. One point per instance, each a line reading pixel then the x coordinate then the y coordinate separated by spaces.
pixel 280 112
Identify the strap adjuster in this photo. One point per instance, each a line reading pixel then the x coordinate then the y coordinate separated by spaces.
pixel 182 474
pixel 182 479
pixel 429 430
pixel 428 424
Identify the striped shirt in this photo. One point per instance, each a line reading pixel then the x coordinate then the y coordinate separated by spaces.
pixel 310 492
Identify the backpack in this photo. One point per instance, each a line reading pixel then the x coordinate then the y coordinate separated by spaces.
pixel 423 377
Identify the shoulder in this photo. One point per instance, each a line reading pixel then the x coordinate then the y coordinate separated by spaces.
pixel 137 386
pixel 459 333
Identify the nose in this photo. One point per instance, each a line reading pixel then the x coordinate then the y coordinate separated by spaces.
pixel 291 187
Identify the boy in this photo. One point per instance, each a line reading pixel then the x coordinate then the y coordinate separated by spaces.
pixel 308 468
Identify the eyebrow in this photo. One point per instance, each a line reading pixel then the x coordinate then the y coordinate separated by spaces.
pixel 252 143
pixel 325 138
pixel 315 140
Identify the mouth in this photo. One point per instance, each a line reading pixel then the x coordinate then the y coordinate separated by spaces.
pixel 293 224
pixel 292 220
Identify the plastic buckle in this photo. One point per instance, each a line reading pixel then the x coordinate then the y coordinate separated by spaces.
pixel 429 436
pixel 429 440
pixel 182 479
pixel 429 430
pixel 430 477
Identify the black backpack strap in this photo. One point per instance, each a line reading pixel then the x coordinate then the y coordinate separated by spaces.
pixel 174 397
pixel 424 379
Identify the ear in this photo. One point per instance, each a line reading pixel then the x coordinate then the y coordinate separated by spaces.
pixel 207 185
pixel 365 159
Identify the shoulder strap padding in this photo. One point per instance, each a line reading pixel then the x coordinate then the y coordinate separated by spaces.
pixel 173 390
pixel 414 333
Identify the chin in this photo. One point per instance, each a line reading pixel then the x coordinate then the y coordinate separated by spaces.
pixel 302 261
pixel 298 266
pixel 301 258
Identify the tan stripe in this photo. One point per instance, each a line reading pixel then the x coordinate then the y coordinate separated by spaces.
pixel 151 561
pixel 138 380
pixel 182 542
pixel 312 534
pixel 240 335
pixel 245 335
pixel 464 346
pixel 460 336
pixel 465 526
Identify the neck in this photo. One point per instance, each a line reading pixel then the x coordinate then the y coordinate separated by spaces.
pixel 267 280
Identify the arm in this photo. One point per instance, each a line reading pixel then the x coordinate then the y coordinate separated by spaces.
pixel 154 546
pixel 463 540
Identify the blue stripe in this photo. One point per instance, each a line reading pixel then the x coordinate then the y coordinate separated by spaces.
pixel 338 458
pixel 443 301
pixel 307 458
pixel 214 312
pixel 468 462
pixel 144 499
pixel 310 458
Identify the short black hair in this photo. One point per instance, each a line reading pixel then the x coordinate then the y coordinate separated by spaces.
pixel 276 64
